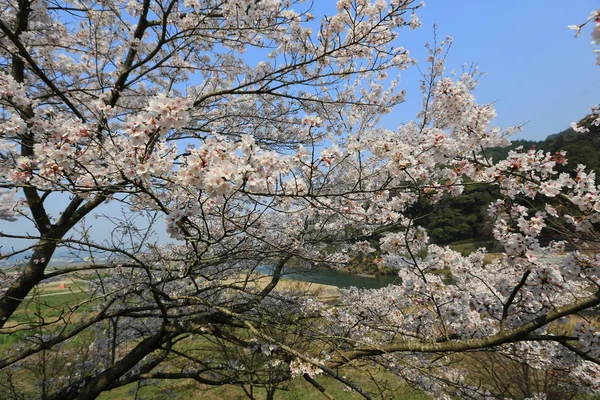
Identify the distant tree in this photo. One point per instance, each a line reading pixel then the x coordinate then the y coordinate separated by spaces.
pixel 461 217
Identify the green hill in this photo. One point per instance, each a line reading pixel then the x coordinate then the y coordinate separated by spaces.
pixel 581 148
pixel 465 217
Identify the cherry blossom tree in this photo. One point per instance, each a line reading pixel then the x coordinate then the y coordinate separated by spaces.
pixel 158 108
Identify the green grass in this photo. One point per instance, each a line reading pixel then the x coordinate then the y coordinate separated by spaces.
pixel 464 247
pixel 52 307
pixel 297 389
pixel 467 246
pixel 10 340
pixel 47 307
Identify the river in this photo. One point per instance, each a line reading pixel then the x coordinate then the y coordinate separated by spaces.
pixel 333 278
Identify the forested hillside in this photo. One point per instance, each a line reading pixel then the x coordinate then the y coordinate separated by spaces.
pixel 465 217
pixel 581 148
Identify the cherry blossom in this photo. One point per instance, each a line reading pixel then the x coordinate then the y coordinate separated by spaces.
pixel 158 109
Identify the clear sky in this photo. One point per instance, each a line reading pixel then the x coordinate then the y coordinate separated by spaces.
pixel 536 71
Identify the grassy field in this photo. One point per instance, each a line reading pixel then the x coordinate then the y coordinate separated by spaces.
pixel 297 389
pixel 49 305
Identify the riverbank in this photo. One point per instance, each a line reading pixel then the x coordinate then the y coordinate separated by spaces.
pixel 326 293
pixel 335 278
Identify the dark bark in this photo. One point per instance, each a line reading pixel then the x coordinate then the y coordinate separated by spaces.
pixel 34 271
pixel 92 387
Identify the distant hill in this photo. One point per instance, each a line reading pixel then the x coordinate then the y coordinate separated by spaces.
pixel 581 148
pixel 465 217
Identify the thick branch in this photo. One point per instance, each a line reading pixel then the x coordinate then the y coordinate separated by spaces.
pixel 502 337
pixel 31 276
pixel 318 386
pixel 101 382
pixel 34 272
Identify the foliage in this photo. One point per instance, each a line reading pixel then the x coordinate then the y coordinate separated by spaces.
pixel 157 109
pixel 461 217
pixel 465 216
pixel 580 147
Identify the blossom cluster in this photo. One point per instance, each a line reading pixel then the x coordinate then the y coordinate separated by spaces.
pixel 258 164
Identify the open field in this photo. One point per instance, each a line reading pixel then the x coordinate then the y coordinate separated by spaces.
pixel 52 298
pixel 298 389
pixel 50 301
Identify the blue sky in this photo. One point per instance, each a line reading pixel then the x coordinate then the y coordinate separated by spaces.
pixel 536 71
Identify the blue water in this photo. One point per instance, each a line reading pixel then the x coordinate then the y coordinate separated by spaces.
pixel 334 278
